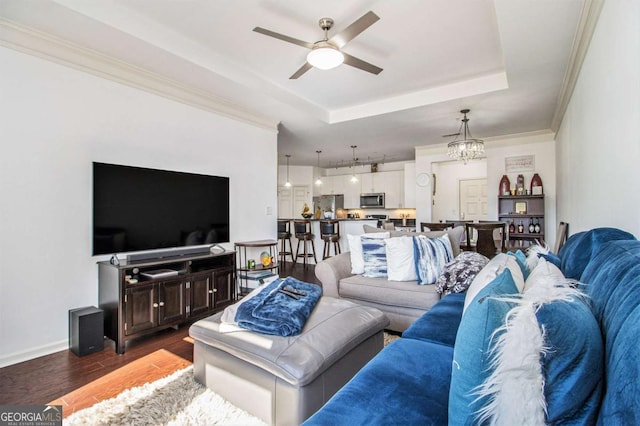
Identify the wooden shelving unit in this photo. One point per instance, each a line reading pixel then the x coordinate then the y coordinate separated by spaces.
pixel 510 210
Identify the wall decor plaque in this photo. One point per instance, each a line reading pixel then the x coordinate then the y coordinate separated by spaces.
pixel 521 163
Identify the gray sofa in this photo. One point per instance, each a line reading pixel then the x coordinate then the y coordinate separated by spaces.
pixel 402 301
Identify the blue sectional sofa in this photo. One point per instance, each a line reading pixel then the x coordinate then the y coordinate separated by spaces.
pixel 409 381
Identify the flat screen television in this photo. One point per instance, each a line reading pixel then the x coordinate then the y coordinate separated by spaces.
pixel 137 209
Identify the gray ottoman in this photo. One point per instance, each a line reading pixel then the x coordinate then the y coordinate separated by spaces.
pixel 283 380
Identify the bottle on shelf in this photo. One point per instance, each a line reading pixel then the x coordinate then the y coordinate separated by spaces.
pixel 532 227
pixel 505 185
pixel 537 226
pixel 512 228
pixel 536 185
pixel 520 185
pixel 520 228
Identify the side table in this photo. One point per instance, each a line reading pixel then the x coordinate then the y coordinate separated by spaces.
pixel 258 272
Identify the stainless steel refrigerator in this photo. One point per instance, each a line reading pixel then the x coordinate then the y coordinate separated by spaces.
pixel 329 206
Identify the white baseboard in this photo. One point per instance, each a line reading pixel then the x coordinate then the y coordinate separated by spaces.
pixel 30 354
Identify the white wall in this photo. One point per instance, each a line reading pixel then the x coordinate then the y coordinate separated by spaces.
pixel 539 144
pixel 446 202
pixel 55 122
pixel 598 143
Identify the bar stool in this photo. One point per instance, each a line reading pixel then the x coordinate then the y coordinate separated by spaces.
pixel 330 233
pixel 284 235
pixel 302 229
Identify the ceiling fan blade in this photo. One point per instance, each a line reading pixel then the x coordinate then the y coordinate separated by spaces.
pixel 283 37
pixel 353 30
pixel 359 63
pixel 306 67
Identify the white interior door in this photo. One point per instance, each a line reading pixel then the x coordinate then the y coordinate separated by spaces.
pixel 285 202
pixel 473 199
pixel 291 201
pixel 300 197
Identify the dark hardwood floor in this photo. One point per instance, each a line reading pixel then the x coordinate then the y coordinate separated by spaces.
pixel 78 382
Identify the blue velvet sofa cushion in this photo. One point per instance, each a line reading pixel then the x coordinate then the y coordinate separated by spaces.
pixel 440 323
pixel 573 362
pixel 472 357
pixel 580 248
pixel 553 258
pixel 405 384
pixel 612 279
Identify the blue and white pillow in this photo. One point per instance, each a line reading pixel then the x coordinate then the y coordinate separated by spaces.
pixel 375 257
pixel 495 267
pixel 548 355
pixel 430 255
pixel 355 250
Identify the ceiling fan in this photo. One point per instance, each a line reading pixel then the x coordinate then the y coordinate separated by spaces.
pixel 326 53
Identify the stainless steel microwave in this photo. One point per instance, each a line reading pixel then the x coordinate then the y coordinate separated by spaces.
pixel 372 201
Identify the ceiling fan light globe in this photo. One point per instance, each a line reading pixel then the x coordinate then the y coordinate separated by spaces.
pixel 325 57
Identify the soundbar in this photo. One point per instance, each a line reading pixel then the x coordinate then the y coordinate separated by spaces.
pixel 135 257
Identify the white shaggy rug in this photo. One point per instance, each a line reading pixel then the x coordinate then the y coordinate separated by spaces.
pixel 174 400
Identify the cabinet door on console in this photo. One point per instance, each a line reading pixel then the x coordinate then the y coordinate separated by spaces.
pixel 171 301
pixel 223 284
pixel 140 308
pixel 201 292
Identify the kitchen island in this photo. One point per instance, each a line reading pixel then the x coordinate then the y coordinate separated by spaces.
pixel 347 227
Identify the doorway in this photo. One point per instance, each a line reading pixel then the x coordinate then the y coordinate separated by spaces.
pixel 473 199
pixel 291 201
pixel 446 201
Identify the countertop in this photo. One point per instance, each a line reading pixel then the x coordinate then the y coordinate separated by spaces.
pixel 318 220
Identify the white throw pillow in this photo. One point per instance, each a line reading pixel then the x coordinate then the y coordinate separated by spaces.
pixel 490 272
pixel 355 248
pixel 400 262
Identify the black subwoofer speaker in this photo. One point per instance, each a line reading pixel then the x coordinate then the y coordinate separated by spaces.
pixel 86 330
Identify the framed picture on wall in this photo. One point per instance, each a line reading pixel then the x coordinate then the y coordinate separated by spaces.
pixel 521 207
pixel 521 163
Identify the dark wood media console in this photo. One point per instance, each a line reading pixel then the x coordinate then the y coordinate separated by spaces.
pixel 139 298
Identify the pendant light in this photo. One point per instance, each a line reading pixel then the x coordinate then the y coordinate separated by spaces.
pixel 287 183
pixel 318 180
pixel 467 148
pixel 354 178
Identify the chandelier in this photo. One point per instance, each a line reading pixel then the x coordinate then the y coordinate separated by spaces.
pixel 467 148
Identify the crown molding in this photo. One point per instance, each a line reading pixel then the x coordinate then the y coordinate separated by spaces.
pixel 584 33
pixel 46 46
pixel 515 139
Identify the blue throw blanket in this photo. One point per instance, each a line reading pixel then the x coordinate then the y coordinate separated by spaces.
pixel 281 308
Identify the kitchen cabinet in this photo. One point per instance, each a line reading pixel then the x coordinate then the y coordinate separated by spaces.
pixel 342 184
pixel 391 183
pixel 351 192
